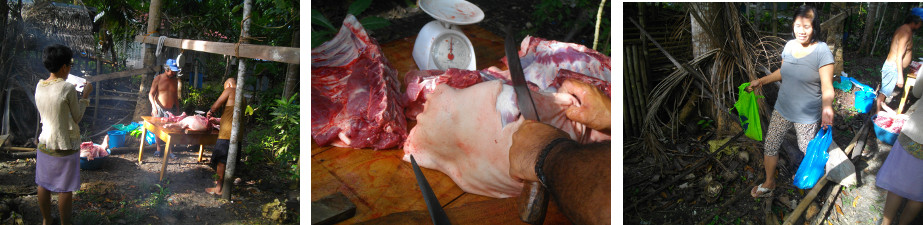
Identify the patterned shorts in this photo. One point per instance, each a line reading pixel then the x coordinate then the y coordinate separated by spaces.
pixel 778 125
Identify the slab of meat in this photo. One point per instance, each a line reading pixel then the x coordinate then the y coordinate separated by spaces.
pixel 90 151
pixel 462 133
pixel 170 118
pixel 191 123
pixel 355 93
pixel 542 59
pixel 421 83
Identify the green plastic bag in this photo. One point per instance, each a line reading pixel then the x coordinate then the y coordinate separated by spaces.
pixel 748 112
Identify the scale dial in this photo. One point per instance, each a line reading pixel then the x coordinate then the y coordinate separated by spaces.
pixel 451 51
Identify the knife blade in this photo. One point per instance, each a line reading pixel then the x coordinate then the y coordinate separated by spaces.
pixel 533 202
pixel 523 95
pixel 432 204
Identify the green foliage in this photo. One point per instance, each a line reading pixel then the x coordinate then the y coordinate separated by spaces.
pixel 279 142
pixel 327 30
pixel 705 123
pixel 563 14
pixel 159 196
pixel 201 99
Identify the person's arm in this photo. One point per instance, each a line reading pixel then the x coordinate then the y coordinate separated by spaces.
pixel 772 77
pixel 76 106
pixel 152 96
pixel 222 100
pixel 901 40
pixel 577 176
pixel 826 87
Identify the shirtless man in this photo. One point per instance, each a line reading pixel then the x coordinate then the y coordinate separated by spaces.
pixel 164 96
pixel 900 54
pixel 220 154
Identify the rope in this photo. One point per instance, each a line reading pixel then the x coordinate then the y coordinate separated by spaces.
pixel 160 44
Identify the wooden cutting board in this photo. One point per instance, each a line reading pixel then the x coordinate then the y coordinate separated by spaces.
pixel 380 184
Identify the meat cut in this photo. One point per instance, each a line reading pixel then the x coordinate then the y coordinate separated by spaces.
pixel 355 93
pixel 542 59
pixel 422 83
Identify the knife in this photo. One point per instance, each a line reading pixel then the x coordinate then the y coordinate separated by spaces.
pixel 432 204
pixel 534 199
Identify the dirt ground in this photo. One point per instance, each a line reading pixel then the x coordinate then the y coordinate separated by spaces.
pixel 122 192
pixel 713 195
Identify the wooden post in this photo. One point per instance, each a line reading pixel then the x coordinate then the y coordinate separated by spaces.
pixel 238 102
pixel 291 76
pixel 143 105
pixel 775 26
pixel 96 93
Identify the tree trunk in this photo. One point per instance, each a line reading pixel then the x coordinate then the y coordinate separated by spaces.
pixel 869 26
pixel 238 102
pixel 773 21
pixel 292 75
pixel 143 105
pixel 702 43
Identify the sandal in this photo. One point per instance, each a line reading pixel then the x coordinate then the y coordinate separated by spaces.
pixel 760 192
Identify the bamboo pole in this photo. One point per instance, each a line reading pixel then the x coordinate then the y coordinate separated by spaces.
pixel 630 85
pixel 238 101
pixel 629 115
pixel 639 94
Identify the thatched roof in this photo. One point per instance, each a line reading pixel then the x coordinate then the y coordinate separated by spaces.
pixel 53 22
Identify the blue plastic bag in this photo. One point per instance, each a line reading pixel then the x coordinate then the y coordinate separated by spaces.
pixel 149 137
pixel 815 157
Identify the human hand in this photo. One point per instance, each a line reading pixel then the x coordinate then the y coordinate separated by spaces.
pixel 528 142
pixel 593 108
pixel 826 117
pixel 754 84
pixel 209 113
pixel 900 82
pixel 87 89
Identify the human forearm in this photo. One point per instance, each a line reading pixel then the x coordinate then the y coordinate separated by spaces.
pixel 578 177
pixel 772 77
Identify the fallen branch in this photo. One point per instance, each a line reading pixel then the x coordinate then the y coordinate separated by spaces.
pixel 693 168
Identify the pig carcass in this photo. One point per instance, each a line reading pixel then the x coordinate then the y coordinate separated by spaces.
pixel 191 123
pixel 462 133
pixel 355 93
pixel 466 131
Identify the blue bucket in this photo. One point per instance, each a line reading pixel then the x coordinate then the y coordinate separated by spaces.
pixel 884 135
pixel 863 101
pixel 116 138
pixel 94 164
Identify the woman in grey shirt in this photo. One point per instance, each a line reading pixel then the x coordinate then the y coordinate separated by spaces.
pixel 805 96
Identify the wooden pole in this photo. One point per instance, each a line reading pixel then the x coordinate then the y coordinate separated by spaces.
pixel 270 53
pixel 143 105
pixel 238 102
pixel 96 93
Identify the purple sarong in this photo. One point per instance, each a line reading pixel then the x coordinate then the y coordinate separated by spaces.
pixel 901 174
pixel 57 174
